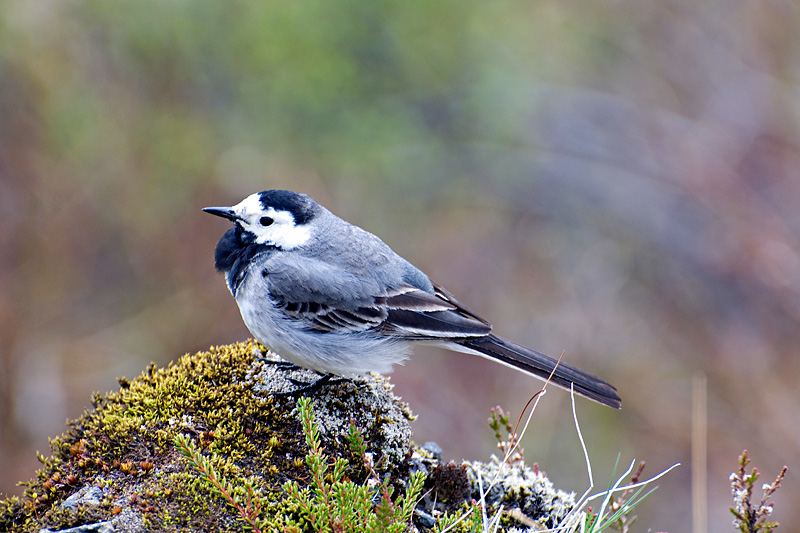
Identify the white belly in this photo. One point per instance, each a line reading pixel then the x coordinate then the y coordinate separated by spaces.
pixel 343 354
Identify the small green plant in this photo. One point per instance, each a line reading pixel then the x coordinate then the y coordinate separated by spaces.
pixel 471 518
pixel 331 502
pixel 244 498
pixel 511 450
pixel 619 511
pixel 750 517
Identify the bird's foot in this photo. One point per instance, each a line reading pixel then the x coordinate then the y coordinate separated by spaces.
pixel 285 365
pixel 304 387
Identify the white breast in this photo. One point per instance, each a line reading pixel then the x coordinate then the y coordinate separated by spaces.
pixel 343 354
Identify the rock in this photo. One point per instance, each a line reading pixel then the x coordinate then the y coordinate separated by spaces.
pixel 119 466
pixel 99 527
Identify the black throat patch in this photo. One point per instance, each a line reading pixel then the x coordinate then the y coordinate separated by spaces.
pixel 233 255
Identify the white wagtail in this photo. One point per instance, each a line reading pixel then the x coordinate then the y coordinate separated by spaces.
pixel 332 297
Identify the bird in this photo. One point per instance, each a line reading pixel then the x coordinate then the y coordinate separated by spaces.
pixel 329 296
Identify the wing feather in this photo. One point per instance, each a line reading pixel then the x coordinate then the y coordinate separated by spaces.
pixel 379 303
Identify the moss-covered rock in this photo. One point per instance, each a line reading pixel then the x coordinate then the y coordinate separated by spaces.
pixel 117 468
pixel 118 463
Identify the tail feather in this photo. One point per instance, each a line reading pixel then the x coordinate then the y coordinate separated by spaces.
pixel 542 366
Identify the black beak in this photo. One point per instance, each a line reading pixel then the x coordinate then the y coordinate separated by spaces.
pixel 224 212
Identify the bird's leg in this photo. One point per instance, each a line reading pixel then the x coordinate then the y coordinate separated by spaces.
pixel 280 363
pixel 313 386
pixel 302 386
pixel 286 365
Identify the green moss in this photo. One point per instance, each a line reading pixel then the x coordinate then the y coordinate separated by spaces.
pixel 118 462
pixel 124 445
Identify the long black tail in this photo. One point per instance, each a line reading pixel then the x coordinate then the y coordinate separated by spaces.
pixel 542 366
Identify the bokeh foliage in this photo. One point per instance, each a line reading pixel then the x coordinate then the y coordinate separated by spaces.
pixel 618 180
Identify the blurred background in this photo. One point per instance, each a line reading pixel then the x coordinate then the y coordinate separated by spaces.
pixel 618 180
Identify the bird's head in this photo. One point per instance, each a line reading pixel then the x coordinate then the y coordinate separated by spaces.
pixel 276 218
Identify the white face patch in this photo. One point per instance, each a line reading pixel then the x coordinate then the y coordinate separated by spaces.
pixel 269 226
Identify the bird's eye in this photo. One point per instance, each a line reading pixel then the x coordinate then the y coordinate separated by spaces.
pixel 266 221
